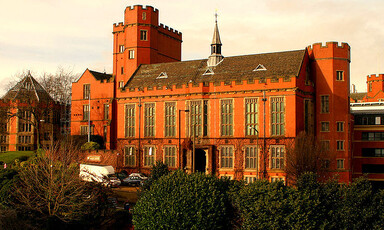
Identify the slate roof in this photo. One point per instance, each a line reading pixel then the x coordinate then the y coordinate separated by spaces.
pixel 27 89
pixel 277 64
pixel 100 76
pixel 358 96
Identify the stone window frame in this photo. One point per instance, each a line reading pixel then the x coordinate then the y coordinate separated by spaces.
pixel 339 75
pixel 227 128
pixel 149 115
pixel 340 126
pixel 324 126
pixel 169 128
pixel 251 126
pixel 143 35
pixel 226 161
pixel 131 160
pixel 280 113
pixel 253 158
pixel 149 159
pixel 130 120
pixel 324 103
pixel 274 160
pixel 167 157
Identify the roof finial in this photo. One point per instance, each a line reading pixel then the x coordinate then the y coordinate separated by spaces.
pixel 216 16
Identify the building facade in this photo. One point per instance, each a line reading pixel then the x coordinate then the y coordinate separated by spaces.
pixel 368 135
pixel 228 116
pixel 29 117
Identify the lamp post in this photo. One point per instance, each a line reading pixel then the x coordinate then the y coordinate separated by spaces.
pixel 180 152
pixel 257 136
pixel 138 152
pixel 89 117
pixel 264 140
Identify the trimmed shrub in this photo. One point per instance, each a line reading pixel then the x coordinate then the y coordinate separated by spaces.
pixel 90 146
pixel 158 170
pixel 183 201
pixel 264 205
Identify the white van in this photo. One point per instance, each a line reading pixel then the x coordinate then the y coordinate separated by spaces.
pixel 99 173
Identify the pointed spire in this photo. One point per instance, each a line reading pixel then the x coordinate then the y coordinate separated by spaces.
pixel 216 35
pixel 216 56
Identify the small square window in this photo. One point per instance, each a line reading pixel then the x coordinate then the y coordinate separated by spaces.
pixel 340 145
pixel 325 126
pixel 131 54
pixel 340 163
pixel 143 35
pixel 339 75
pixel 340 126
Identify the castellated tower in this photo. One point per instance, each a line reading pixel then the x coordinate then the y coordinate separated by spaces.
pixel 375 84
pixel 142 40
pixel 331 72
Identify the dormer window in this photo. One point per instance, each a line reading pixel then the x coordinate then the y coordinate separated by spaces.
pixel 260 67
pixel 209 71
pixel 162 75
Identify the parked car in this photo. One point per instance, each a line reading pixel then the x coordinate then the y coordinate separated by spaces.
pixel 134 179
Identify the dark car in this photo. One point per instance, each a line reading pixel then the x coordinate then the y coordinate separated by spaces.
pixel 135 179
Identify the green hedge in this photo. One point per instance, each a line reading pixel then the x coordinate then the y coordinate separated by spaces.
pixel 183 201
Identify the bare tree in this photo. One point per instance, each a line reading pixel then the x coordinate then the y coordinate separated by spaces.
pixel 305 154
pixel 59 85
pixel 50 188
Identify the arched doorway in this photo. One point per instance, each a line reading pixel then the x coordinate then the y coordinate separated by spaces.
pixel 200 160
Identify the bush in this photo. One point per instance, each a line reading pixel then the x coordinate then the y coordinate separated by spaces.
pixel 7 180
pixel 90 146
pixel 158 170
pixel 264 205
pixel 79 140
pixel 183 201
pixel 358 210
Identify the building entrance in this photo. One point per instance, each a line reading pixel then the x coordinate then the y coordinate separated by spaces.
pixel 200 160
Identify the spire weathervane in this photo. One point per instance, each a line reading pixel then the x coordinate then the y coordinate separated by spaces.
pixel 215 58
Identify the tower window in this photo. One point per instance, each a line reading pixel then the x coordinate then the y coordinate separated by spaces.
pixel 144 16
pixel 340 163
pixel 340 145
pixel 325 126
pixel 339 75
pixel 325 104
pixel 340 126
pixel 131 54
pixel 121 48
pixel 370 86
pixel 143 35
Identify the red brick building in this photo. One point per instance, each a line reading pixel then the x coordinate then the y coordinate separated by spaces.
pixel 229 116
pixel 368 135
pixel 29 117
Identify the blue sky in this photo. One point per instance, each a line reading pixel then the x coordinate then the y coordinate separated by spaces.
pixel 41 35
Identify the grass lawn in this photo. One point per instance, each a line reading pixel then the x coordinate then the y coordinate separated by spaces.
pixel 9 157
